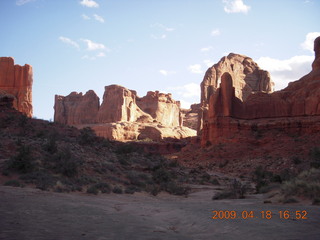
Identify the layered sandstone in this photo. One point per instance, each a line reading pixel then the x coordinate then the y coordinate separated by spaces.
pixel 162 108
pixel 119 104
pixel 247 78
pixel 76 108
pixel 17 80
pixel 293 109
pixel 123 115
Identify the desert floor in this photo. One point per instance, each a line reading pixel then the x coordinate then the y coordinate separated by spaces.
pixel 27 213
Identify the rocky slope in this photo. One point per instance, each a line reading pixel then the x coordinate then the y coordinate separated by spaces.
pixel 123 115
pixel 17 80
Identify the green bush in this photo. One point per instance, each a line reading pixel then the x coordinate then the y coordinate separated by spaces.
pixel 161 175
pixel 22 162
pixel 315 157
pixel 177 189
pixel 93 190
pixel 65 163
pixel 103 187
pixel 43 180
pixel 99 187
pixel 235 190
pixel 117 190
pixel 306 184
pixel 87 136
pixel 13 183
pixel 132 189
pixel 51 146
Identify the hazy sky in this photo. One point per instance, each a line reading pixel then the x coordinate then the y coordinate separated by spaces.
pixel 166 45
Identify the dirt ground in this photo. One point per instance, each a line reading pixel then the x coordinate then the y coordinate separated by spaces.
pixel 28 213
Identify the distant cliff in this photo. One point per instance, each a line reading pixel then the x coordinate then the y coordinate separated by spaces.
pixel 123 115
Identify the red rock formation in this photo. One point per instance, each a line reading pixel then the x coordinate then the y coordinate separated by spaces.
pixel 17 81
pixel 247 78
pixel 119 104
pixel 120 117
pixel 161 107
pixel 76 108
pixel 295 108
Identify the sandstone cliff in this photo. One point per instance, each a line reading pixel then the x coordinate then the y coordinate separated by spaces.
pixel 247 78
pixel 162 108
pixel 17 81
pixel 123 115
pixel 295 109
pixel 76 108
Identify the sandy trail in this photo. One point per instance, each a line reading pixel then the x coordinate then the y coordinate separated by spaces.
pixel 33 214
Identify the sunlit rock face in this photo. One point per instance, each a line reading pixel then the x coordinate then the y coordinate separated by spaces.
pixel 17 80
pixel 123 115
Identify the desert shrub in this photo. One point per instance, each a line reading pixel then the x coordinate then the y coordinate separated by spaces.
pixel 296 160
pixel 261 177
pixel 223 164
pixel 117 190
pixel 161 175
pixel 215 181
pixel 22 120
pixel 93 190
pixel 23 161
pixel 126 148
pixel 138 179
pixel 51 146
pixel 103 187
pixel 306 184
pixel 99 187
pixel 87 136
pixel 177 189
pixel 43 180
pixel 65 163
pixel 13 183
pixel 315 157
pixel 235 190
pixel 132 189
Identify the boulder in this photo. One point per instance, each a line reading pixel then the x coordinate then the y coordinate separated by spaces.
pixel 17 80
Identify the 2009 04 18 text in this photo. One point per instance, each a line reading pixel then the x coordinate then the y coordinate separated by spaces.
pixel 267 214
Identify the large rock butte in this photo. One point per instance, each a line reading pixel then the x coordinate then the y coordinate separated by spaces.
pixel 247 78
pixel 17 80
pixel 123 115
pixel 295 109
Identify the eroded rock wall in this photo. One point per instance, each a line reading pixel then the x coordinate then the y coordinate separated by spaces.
pixel 162 108
pixel 76 108
pixel 247 78
pixel 295 109
pixel 123 115
pixel 17 80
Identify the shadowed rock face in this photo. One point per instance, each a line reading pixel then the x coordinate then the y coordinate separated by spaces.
pixel 290 108
pixel 17 81
pixel 247 78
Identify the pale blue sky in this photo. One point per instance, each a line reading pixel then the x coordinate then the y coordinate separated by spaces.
pixel 166 45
